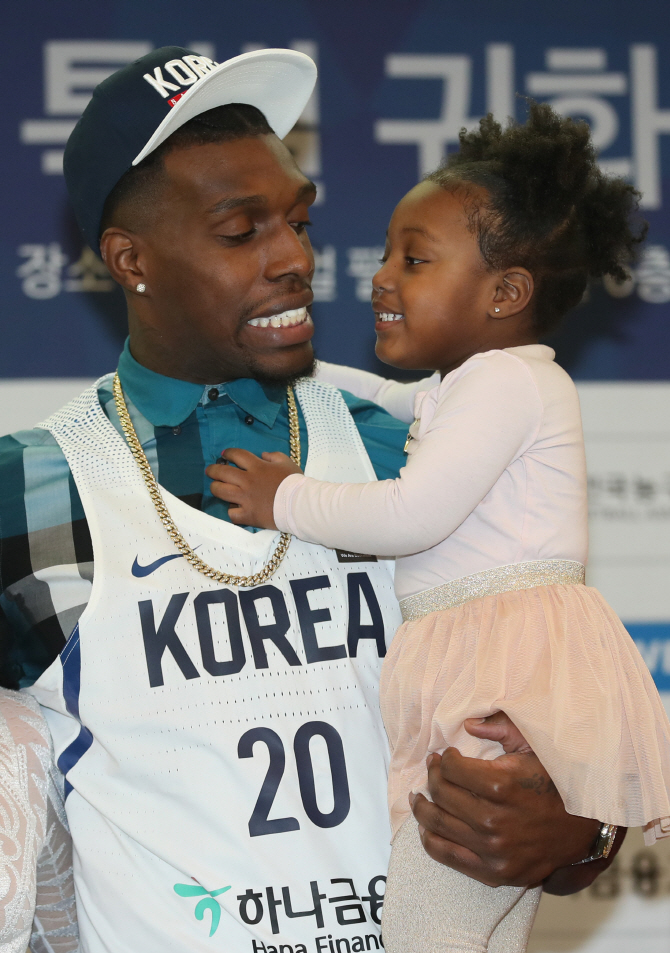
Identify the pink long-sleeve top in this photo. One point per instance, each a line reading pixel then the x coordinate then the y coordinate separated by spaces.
pixel 495 475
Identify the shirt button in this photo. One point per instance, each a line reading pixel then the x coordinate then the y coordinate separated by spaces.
pixel 213 393
pixel 249 420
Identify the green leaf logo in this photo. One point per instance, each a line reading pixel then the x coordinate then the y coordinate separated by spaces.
pixel 208 902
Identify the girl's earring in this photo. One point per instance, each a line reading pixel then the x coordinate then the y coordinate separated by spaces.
pixel 497 310
pixel 141 288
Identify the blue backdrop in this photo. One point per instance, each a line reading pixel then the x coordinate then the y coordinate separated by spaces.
pixel 397 81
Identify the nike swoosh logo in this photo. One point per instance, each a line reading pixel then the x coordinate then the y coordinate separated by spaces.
pixel 140 571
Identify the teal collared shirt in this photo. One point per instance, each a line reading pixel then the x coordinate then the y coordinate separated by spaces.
pixel 193 425
pixel 168 402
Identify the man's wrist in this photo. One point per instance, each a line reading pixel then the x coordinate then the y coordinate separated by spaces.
pixel 602 846
pixel 569 880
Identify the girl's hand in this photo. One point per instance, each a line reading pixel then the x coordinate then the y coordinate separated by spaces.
pixel 250 485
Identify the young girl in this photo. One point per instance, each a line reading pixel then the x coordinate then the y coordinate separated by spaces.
pixel 488 518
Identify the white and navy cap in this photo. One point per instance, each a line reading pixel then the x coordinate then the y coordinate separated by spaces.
pixel 137 108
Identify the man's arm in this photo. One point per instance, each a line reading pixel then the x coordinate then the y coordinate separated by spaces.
pixel 42 525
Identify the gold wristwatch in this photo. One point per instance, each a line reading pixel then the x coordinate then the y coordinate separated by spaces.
pixel 602 845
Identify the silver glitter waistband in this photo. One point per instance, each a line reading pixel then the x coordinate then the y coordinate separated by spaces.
pixel 492 582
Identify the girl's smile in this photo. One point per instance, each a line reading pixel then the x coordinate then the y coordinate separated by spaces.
pixel 383 318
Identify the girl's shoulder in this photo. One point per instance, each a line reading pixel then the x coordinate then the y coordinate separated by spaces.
pixel 489 379
pixel 553 383
pixel 498 367
pixel 527 367
pixel 523 383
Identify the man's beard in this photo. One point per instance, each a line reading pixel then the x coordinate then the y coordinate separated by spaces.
pixel 263 377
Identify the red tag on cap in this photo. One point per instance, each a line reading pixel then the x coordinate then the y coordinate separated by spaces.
pixel 175 99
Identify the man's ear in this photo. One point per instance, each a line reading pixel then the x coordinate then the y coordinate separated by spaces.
pixel 513 292
pixel 120 252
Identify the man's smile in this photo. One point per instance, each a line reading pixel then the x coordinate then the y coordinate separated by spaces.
pixel 286 319
pixel 279 326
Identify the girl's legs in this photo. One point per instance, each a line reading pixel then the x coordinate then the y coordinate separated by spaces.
pixel 430 908
pixel 512 933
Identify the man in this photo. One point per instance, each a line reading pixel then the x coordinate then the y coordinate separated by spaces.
pixel 214 709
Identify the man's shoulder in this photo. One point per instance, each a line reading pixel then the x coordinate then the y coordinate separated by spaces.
pixel 14 446
pixel 38 491
pixel 32 468
pixel 39 444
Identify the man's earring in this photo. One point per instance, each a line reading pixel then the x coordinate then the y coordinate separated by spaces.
pixel 497 310
pixel 141 288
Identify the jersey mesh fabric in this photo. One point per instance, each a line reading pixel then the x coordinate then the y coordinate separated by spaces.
pixel 94 437
pixel 330 448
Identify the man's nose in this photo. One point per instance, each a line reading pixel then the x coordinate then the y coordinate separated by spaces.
pixel 291 255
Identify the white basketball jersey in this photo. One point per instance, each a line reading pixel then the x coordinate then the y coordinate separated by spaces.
pixel 224 754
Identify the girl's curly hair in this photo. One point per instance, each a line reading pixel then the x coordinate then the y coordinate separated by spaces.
pixel 546 206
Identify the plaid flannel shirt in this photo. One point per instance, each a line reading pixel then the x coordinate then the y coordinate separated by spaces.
pixel 46 555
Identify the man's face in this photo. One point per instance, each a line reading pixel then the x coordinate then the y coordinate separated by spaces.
pixel 229 247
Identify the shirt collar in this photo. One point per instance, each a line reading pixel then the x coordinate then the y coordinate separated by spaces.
pixel 167 401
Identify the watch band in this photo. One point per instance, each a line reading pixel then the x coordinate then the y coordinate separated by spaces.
pixel 602 845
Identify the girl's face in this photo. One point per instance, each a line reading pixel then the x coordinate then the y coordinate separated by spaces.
pixel 433 297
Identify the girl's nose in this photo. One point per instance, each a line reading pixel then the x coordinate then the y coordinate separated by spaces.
pixel 382 280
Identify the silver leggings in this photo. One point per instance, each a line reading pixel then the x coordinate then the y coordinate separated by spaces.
pixel 430 908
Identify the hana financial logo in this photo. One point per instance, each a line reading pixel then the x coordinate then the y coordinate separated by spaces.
pixel 208 902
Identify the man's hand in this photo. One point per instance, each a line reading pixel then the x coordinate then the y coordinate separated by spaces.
pixel 502 821
pixel 250 485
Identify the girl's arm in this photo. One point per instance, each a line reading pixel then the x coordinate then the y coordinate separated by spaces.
pixel 488 415
pixel 394 396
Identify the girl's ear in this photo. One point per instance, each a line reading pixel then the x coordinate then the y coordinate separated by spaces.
pixel 513 293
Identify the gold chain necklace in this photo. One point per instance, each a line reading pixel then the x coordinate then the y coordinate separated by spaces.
pixel 163 514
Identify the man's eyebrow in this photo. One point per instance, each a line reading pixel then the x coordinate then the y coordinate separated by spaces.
pixel 421 231
pixel 253 201
pixel 243 201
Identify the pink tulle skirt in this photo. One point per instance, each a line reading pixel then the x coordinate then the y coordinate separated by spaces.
pixel 559 662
